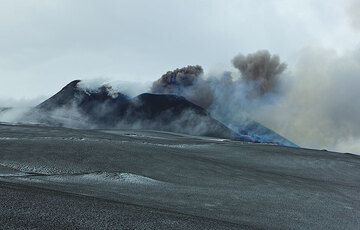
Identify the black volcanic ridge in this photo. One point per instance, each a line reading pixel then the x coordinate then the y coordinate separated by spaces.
pixel 74 106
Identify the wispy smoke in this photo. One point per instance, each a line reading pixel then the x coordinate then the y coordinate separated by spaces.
pixel 131 89
pixel 354 13
pixel 20 103
pixel 321 106
pixel 11 110
pixel 260 70
pixel 230 95
pixel 88 105
pixel 12 115
pixel 318 105
pixel 227 93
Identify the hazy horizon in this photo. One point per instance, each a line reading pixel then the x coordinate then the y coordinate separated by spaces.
pixel 45 45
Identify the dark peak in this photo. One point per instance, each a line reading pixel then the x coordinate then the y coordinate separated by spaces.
pixel 150 96
pixel 163 102
pixel 72 84
pixel 169 99
pixel 104 91
pixel 85 98
pixel 63 97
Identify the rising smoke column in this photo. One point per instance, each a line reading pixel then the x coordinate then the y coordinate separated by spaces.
pixel 321 106
pixel 187 82
pixel 260 71
pixel 353 11
pixel 173 82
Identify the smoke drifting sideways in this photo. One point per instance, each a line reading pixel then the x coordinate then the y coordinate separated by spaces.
pixel 11 110
pixel 229 95
pixel 187 82
pixel 316 105
pixel 353 11
pixel 320 107
pixel 226 94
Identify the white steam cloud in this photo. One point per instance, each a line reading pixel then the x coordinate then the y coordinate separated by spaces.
pixel 314 104
pixel 321 106
pixel 129 88
pixel 11 110
pixel 231 95
pixel 354 14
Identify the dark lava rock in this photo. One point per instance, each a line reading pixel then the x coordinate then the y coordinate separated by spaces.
pixel 102 108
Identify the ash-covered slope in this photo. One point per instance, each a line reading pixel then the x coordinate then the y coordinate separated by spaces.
pixel 259 133
pixel 88 179
pixel 78 107
pixel 87 100
pixel 223 96
pixel 75 106
pixel 173 113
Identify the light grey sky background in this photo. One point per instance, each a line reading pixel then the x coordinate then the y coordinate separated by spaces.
pixel 44 44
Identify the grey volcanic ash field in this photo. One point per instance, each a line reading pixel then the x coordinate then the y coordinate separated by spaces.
pixel 125 179
pixel 86 159
pixel 97 133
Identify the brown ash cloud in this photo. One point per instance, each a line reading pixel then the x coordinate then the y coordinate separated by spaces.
pixel 187 82
pixel 259 75
pixel 260 70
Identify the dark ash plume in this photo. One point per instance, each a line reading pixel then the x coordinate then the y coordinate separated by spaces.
pixel 186 82
pixel 227 96
pixel 210 99
pixel 260 70
pixel 260 73
pixel 173 81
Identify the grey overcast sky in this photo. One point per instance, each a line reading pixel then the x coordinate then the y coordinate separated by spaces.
pixel 44 44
